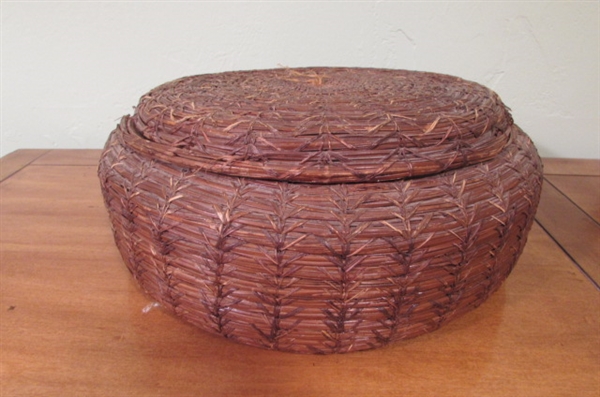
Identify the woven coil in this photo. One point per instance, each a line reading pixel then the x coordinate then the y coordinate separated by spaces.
pixel 324 125
pixel 274 251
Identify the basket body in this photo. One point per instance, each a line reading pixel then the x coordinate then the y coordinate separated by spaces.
pixel 324 259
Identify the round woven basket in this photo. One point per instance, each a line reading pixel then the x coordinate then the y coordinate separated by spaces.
pixel 320 210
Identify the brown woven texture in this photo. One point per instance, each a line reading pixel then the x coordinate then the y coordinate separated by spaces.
pixel 301 210
pixel 322 125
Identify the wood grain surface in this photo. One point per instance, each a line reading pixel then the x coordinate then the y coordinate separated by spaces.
pixel 73 322
pixel 569 211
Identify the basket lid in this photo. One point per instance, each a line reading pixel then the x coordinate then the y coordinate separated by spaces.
pixel 320 125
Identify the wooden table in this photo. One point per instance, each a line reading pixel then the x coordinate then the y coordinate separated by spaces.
pixel 73 323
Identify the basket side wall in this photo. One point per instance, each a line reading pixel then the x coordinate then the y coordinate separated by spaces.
pixel 320 268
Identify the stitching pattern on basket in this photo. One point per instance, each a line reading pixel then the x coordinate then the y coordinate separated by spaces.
pixel 320 268
pixel 320 125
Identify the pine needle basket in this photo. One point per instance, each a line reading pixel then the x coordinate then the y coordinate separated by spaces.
pixel 320 210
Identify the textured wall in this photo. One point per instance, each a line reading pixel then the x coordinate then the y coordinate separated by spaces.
pixel 71 69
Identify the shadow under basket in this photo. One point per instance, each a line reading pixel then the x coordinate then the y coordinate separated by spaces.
pixel 320 210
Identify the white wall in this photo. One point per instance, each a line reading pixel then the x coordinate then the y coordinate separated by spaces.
pixel 71 69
